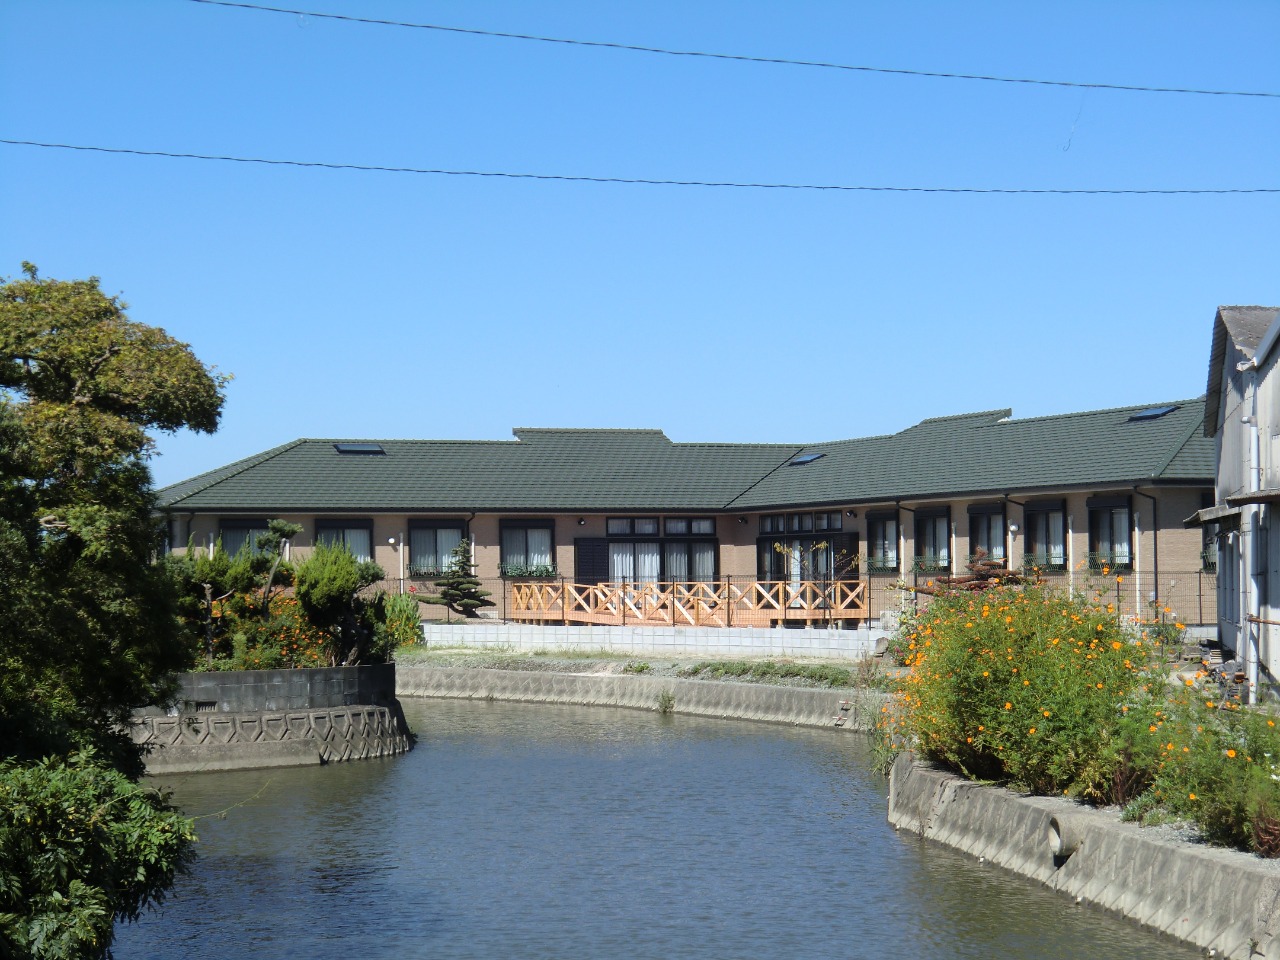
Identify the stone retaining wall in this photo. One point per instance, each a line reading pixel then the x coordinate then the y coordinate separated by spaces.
pixel 845 709
pixel 659 641
pixel 1217 899
pixel 189 743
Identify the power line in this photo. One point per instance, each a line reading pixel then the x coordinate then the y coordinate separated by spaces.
pixel 741 57
pixel 742 185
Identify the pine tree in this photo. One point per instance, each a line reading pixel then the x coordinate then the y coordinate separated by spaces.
pixel 459 588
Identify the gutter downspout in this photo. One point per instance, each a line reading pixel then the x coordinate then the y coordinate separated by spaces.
pixel 1249 571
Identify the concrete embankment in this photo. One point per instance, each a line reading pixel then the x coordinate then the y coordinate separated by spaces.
pixel 1221 900
pixel 845 709
pixel 270 718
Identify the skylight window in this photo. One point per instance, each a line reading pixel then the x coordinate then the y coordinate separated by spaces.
pixel 360 448
pixel 804 458
pixel 1154 413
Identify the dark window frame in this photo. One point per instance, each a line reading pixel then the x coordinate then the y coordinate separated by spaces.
pixel 444 523
pixel 1104 507
pixel 508 567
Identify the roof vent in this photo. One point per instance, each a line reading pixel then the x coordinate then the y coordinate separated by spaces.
pixel 1154 413
pixel 804 458
pixel 367 449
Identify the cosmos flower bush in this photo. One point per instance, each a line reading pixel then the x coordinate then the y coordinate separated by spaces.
pixel 1057 694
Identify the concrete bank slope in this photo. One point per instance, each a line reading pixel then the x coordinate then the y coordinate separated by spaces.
pixel 1216 899
pixel 194 743
pixel 844 709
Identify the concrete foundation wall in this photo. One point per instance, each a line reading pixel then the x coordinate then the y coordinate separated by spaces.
pixel 190 743
pixel 1216 899
pixel 657 641
pixel 843 709
pixel 244 691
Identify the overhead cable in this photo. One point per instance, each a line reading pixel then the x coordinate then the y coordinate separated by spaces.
pixel 741 185
pixel 634 48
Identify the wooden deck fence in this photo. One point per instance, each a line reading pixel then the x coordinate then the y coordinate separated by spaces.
pixel 720 604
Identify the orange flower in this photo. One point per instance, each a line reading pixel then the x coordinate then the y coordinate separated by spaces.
pixel 1008 706
pixel 1231 753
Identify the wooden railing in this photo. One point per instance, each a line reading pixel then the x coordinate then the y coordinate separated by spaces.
pixel 723 604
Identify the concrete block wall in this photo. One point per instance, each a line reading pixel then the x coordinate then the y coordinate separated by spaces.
pixel 658 641
pixel 189 743
pixel 1222 900
pixel 240 691
pixel 842 709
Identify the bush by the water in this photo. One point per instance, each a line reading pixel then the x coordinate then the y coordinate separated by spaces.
pixel 1057 694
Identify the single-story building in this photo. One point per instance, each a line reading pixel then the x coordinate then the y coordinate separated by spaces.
pixel 1079 496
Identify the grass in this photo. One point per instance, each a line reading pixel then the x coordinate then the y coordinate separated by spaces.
pixel 771 671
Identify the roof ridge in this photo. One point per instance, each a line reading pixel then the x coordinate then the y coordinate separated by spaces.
pixel 233 469
pixel 1090 413
pixel 1191 432
pixel 1000 412
pixel 769 473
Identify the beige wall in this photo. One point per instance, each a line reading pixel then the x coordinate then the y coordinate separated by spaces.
pixel 1179 547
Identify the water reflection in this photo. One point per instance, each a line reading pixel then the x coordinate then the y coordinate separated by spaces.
pixel 553 832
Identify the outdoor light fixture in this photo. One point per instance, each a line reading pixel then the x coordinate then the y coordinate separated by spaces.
pixel 582 521
pixel 851 513
pixel 1013 528
pixel 742 519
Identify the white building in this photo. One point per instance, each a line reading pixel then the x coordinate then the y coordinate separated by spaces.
pixel 1242 414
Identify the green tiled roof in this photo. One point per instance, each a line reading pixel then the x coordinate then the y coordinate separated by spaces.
pixel 991 453
pixel 554 470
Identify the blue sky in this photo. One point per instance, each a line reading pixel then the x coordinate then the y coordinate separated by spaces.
pixel 380 305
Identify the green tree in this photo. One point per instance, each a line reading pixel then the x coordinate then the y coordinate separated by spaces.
pixel 88 624
pixel 329 584
pixel 459 587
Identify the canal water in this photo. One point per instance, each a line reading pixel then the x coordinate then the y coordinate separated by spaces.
pixel 529 831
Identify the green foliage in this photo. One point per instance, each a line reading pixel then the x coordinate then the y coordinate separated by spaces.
pixel 89 626
pixel 80 847
pixel 1022 685
pixel 328 585
pixel 1054 694
pixel 770 671
pixel 666 702
pixel 634 666
pixel 459 588
pixel 403 619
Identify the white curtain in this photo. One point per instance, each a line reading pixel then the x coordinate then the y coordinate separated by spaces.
pixel 622 563
pixel 1120 527
pixel 422 550
pixel 446 539
pixel 360 543
pixel 704 562
pixel 235 539
pixel 539 548
pixel 677 562
pixel 648 562
pixel 1056 541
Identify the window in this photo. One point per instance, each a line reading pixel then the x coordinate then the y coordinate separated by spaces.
pixel 933 539
pixel 355 535
pixel 360 449
pixel 638 556
pixel 807 558
pixel 527 548
pixel 986 530
pixel 1110 529
pixel 1046 545
pixel 431 546
pixel 632 526
pixel 236 535
pixel 689 526
pixel 882 542
pixel 801 522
